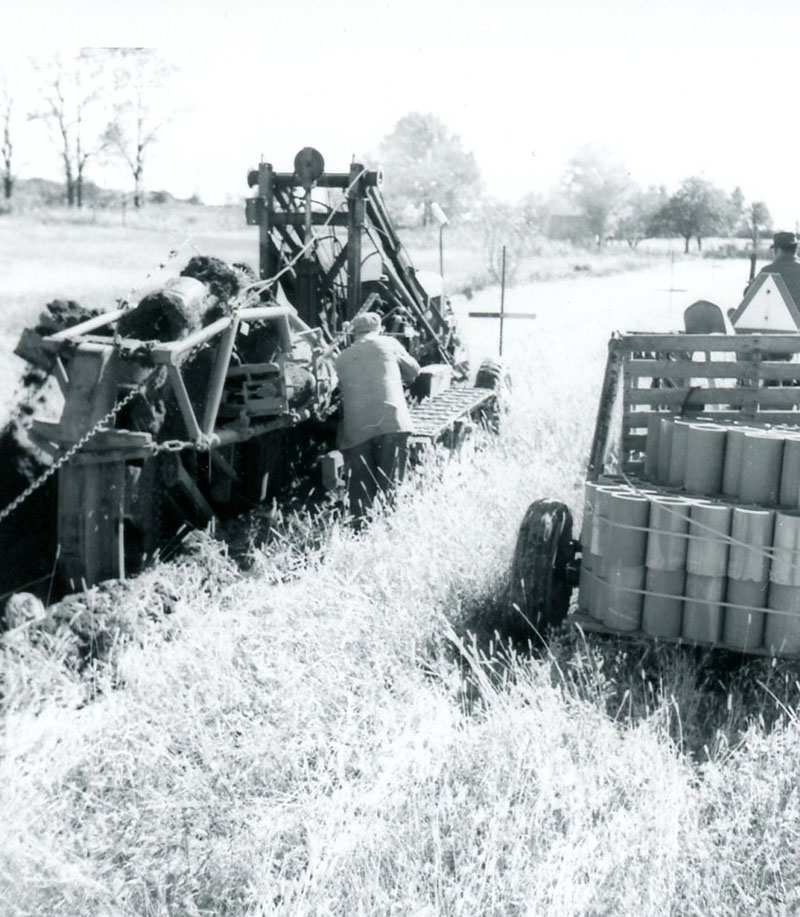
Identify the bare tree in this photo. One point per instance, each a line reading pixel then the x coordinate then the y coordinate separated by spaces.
pixel 70 88
pixel 136 123
pixel 7 146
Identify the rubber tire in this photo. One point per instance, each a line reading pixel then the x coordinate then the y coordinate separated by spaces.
pixel 492 374
pixel 539 589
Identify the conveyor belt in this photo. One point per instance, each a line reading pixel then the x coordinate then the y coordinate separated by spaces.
pixel 433 416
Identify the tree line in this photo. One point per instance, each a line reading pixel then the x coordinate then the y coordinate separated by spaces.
pixel 596 199
pixel 97 105
pixel 106 104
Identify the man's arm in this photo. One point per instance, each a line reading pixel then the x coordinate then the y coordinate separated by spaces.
pixel 409 368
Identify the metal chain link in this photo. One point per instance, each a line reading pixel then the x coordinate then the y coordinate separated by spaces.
pixel 76 447
pixel 167 446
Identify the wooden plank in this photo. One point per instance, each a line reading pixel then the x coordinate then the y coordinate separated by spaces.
pixel 61 375
pixel 262 406
pixel 188 484
pixel 333 271
pixel 258 370
pixel 690 369
pixel 774 397
pixel 184 403
pixel 370 178
pixel 762 418
pixel 765 419
pixel 778 372
pixel 633 441
pixel 89 325
pixel 171 353
pixel 298 219
pixel 608 395
pixel 687 343
pixel 356 214
pixel 219 372
pixel 266 177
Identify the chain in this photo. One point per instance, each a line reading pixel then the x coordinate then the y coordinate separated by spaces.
pixel 172 445
pixel 76 447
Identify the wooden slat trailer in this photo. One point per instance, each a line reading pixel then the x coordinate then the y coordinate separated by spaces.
pixel 691 517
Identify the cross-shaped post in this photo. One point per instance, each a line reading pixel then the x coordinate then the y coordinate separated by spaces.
pixel 502 314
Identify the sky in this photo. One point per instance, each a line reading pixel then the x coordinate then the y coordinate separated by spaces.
pixel 672 88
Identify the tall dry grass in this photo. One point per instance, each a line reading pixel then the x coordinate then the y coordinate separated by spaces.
pixel 321 735
pixel 337 730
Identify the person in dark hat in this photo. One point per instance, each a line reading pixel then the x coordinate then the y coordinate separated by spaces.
pixel 785 263
pixel 376 421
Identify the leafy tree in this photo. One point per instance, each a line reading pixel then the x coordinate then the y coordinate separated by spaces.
pixel 535 211
pixel 138 77
pixel 425 163
pixel 598 185
pixel 71 88
pixel 636 218
pixel 697 210
pixel 735 211
pixel 757 220
pixel 505 226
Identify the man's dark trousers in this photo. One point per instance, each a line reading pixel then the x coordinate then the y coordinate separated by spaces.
pixel 373 467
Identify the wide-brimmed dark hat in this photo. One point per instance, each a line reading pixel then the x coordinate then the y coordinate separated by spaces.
pixel 784 240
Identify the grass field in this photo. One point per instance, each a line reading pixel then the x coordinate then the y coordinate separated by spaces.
pixel 334 732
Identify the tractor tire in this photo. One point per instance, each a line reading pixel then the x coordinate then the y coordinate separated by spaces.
pixel 540 587
pixel 492 374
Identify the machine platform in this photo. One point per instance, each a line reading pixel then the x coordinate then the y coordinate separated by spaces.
pixel 434 416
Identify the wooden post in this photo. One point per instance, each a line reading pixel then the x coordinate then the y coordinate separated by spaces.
pixel 607 397
pixel 502 296
pixel 218 376
pixel 184 403
pixel 356 210
pixel 264 228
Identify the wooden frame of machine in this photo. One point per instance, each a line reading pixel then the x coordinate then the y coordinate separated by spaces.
pixel 157 432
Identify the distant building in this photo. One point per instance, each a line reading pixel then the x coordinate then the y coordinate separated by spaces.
pixel 566 223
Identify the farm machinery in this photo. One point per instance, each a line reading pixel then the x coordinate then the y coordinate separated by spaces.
pixel 206 395
pixel 691 517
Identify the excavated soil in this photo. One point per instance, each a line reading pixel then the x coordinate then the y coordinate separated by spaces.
pixel 28 535
pixel 160 316
pixel 223 280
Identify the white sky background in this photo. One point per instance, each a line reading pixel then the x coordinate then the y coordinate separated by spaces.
pixel 671 87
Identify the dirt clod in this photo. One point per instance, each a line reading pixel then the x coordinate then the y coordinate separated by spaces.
pixel 160 316
pixel 27 535
pixel 222 280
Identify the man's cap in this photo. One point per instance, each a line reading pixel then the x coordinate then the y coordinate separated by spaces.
pixel 366 323
pixel 784 239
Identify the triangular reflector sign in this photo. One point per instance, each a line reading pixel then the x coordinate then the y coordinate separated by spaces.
pixel 767 306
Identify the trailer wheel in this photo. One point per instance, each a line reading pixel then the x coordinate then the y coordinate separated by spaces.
pixel 492 374
pixel 539 590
